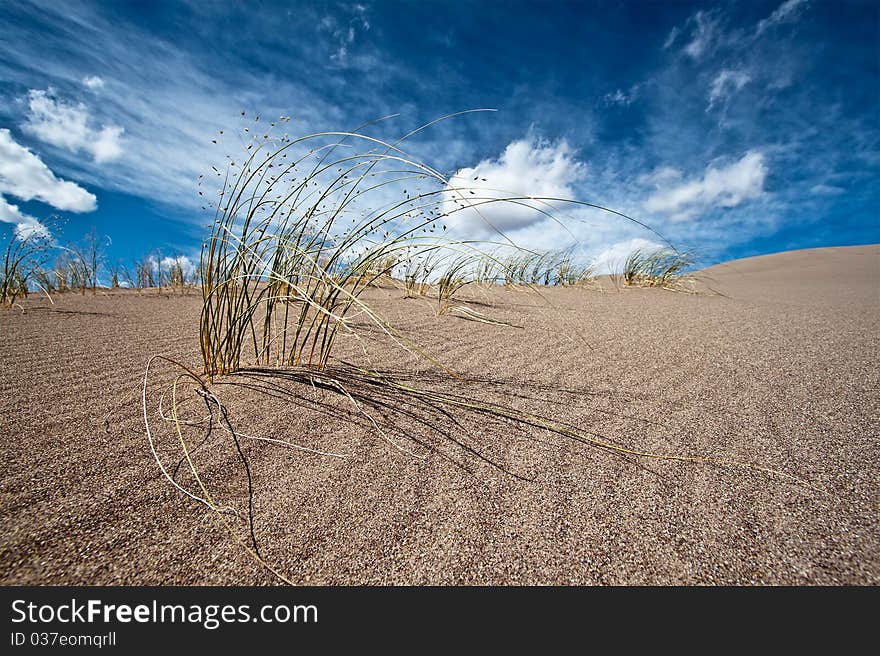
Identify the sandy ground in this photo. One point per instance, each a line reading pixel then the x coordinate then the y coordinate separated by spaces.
pixel 780 371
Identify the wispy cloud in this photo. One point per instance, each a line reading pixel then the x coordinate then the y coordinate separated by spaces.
pixel 826 190
pixel 788 12
pixel 704 33
pixel 170 103
pixel 671 38
pixel 621 97
pixel 68 126
pixel 726 83
pixel 344 31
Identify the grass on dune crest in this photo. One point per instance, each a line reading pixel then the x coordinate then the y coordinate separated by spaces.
pixel 418 271
pixel 664 267
pixel 455 276
pixel 302 227
pixel 22 262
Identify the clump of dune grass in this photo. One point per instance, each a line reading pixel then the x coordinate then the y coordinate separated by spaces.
pixel 569 273
pixel 23 256
pixel 541 268
pixel 61 270
pixel 145 274
pixel 452 280
pixel 43 279
pixel 294 245
pixel 380 270
pixel 547 268
pixel 412 270
pixel 80 263
pixel 516 266
pixel 664 267
pixel 486 271
pixel 418 271
pixel 176 275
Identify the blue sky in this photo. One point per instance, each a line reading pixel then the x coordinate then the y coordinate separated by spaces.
pixel 733 128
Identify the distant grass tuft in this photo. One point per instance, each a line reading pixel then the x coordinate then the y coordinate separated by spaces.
pixel 22 258
pixel 663 267
pixel 457 274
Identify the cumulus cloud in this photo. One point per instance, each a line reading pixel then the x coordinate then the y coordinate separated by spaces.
pixel 31 230
pixel 25 224
pixel 68 126
pixel 93 82
pixel 187 265
pixel 787 12
pixel 528 167
pixel 25 176
pixel 719 187
pixel 613 258
pixel 726 83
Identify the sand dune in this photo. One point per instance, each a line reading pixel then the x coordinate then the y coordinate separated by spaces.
pixel 778 369
pixel 821 276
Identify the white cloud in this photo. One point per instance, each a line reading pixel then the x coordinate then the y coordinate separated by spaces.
pixel 341 54
pixel 67 126
pixel 726 83
pixel 621 97
pixel 826 190
pixel 25 176
pixel 787 12
pixel 670 40
pixel 161 266
pixel 719 187
pixel 613 258
pixel 10 213
pixel 107 144
pixel 344 35
pixel 528 167
pixel 173 104
pixel 25 224
pixel 93 82
pixel 703 35
pixel 660 176
pixel 187 265
pixel 31 229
